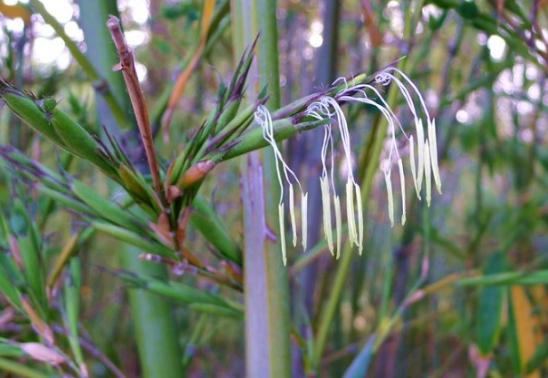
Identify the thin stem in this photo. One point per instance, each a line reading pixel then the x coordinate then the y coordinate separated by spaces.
pixel 127 66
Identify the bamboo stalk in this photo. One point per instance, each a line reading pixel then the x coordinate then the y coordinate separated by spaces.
pixel 265 23
pixel 265 277
pixel 154 323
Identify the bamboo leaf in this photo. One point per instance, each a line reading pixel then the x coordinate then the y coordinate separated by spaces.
pixel 10 350
pixel 29 249
pixel 216 310
pixel 203 301
pixel 525 323
pixel 29 112
pixel 539 277
pixel 8 290
pixel 146 245
pixel 20 370
pixel 206 220
pixel 79 142
pixel 105 208
pixel 489 310
pixel 72 308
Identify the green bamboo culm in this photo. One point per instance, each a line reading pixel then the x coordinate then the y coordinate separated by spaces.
pixel 268 349
pixel 279 299
pixel 154 323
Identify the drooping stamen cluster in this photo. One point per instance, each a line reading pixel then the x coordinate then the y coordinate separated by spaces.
pixel 328 107
pixel 283 172
pixel 427 148
pixel 424 169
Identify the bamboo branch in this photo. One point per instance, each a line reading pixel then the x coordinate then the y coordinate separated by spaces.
pixel 127 66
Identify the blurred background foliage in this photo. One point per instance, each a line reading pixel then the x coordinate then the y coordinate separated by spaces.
pixel 460 290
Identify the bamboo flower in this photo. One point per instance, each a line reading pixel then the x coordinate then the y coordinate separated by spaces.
pixel 284 173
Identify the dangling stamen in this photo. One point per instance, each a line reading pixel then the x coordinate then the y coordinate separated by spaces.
pixel 415 89
pixel 355 230
pixel 427 175
pixel 385 77
pixel 360 218
pixel 385 105
pixel 325 190
pixel 402 189
pixel 326 207
pixel 304 220
pixel 264 119
pixel 350 212
pixel 282 232
pixel 390 196
pixel 390 118
pixel 338 225
pixel 412 164
pixel 431 129
pixel 434 154
pixel 420 148
pixel 292 214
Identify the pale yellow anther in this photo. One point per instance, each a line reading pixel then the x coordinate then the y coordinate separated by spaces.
pixel 413 166
pixel 326 207
pixel 420 147
pixel 304 220
pixel 292 214
pixel 353 236
pixel 390 196
pixel 338 224
pixel 360 217
pixel 427 173
pixel 282 232
pixel 434 153
pixel 402 189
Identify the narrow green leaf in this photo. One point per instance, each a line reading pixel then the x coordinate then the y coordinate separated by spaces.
pixel 29 112
pixel 489 310
pixel 29 249
pixel 146 245
pixel 9 350
pixel 183 293
pixel 20 370
pixel 105 208
pixel 72 308
pixel 216 310
pixel 206 220
pixel 508 278
pixel 78 141
pixel 8 290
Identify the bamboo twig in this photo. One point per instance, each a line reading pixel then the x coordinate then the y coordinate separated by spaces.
pixel 127 66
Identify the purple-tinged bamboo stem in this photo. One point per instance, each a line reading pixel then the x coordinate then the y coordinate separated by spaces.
pixel 127 66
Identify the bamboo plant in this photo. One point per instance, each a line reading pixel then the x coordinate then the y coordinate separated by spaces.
pixel 154 208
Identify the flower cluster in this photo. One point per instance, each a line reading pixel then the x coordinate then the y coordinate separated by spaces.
pixel 423 168
pixel 264 120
